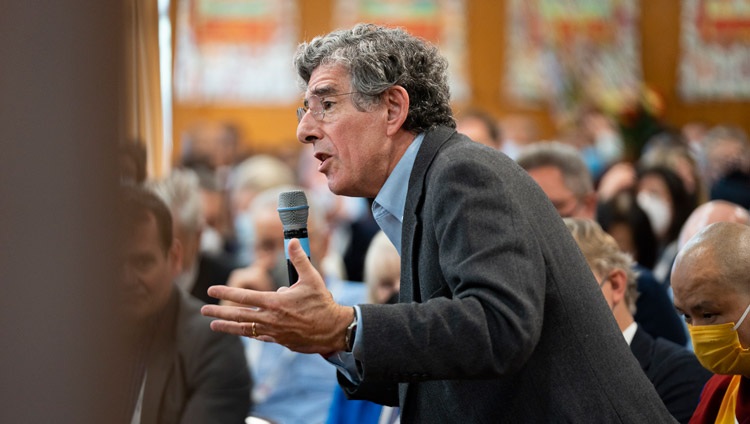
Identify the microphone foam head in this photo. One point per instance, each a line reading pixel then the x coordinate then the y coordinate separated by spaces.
pixel 293 209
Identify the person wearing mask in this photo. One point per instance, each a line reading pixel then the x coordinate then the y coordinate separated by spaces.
pixel 561 172
pixel 488 327
pixel 662 195
pixel 674 371
pixel 711 289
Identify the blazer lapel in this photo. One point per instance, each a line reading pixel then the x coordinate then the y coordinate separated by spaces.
pixel 412 227
pixel 642 347
pixel 160 363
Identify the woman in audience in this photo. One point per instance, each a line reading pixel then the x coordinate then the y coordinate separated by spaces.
pixel 628 224
pixel 662 195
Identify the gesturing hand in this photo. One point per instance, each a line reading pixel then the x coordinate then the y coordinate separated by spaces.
pixel 303 317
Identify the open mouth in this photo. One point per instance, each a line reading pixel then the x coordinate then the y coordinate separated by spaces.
pixel 322 157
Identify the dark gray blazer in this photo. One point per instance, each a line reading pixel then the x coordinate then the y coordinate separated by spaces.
pixel 194 375
pixel 500 319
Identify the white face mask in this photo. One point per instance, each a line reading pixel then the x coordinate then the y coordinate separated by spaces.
pixel 211 241
pixel 657 210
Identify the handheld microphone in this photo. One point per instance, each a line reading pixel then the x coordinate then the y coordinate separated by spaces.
pixel 293 211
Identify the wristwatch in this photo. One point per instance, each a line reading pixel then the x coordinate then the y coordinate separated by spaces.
pixel 351 332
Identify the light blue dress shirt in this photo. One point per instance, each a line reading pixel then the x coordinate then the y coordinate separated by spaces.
pixel 388 211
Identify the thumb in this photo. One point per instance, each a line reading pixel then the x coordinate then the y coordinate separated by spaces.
pixel 299 259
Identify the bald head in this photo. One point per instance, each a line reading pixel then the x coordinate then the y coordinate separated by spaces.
pixel 717 255
pixel 709 213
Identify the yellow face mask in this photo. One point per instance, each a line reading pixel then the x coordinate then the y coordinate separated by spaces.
pixel 718 347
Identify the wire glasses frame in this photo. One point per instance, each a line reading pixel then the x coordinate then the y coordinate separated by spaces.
pixel 314 104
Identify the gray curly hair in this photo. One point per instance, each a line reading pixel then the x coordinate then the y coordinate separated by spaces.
pixel 378 58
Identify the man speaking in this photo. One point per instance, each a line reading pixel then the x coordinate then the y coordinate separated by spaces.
pixel 500 318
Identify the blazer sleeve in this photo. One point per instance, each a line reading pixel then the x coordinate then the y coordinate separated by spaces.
pixel 383 393
pixel 479 265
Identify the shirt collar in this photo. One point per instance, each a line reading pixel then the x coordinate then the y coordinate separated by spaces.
pixel 391 199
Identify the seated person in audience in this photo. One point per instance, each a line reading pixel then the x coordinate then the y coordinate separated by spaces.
pixel 481 127
pixel 710 212
pixel 182 371
pixel 383 279
pixel 711 288
pixel 675 372
pixel 727 164
pixel 670 150
pixel 562 174
pixel 132 161
pixel 725 149
pixel 252 176
pixel 518 131
pixel 199 270
pixel 628 224
pixel 662 195
pixel 290 387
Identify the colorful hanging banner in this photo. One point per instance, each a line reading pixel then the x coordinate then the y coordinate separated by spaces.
pixel 572 52
pixel 715 53
pixel 236 52
pixel 442 22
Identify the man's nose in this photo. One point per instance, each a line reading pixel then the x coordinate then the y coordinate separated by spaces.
pixel 308 130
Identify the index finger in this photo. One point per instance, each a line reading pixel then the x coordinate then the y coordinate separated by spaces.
pixel 239 295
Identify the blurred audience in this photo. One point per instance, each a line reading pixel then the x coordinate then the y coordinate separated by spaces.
pixel 674 371
pixel 725 150
pixel 211 145
pixel 382 277
pixel 560 171
pixel 517 131
pixel 182 371
pixel 254 175
pixel 710 289
pixel 662 195
pixel 480 126
pixel 709 213
pixel 727 164
pixel 290 387
pixel 181 192
pixel 603 143
pixel 628 224
pixel 218 231
pixel 132 161
pixel 670 150
pixel 382 270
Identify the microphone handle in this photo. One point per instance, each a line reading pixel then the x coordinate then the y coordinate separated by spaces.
pixel 293 276
pixel 301 235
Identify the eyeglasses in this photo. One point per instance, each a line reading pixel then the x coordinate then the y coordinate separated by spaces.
pixel 318 106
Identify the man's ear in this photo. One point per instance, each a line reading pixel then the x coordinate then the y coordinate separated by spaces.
pixel 619 281
pixel 396 100
pixel 175 256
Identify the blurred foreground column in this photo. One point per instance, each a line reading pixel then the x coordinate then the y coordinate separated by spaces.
pixel 60 98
